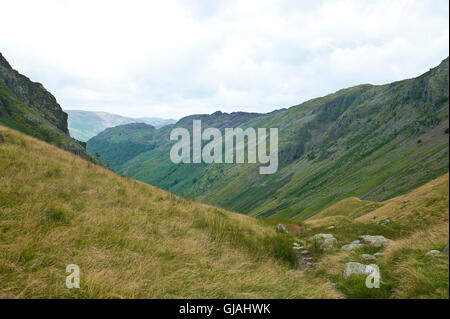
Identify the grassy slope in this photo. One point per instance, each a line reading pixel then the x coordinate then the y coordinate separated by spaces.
pixel 130 239
pixel 370 142
pixel 419 223
pixel 350 207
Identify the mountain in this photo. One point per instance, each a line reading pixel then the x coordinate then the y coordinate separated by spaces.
pixel 156 121
pixel 85 124
pixel 28 107
pixel 372 142
pixel 133 240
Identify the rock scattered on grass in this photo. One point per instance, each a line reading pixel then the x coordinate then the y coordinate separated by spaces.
pixel 374 241
pixel 433 252
pixel 282 228
pixel 325 242
pixel 353 245
pixel 367 257
pixel 353 268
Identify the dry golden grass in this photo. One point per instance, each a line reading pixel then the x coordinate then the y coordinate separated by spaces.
pixel 351 207
pixel 419 222
pixel 419 275
pixel 426 204
pixel 130 240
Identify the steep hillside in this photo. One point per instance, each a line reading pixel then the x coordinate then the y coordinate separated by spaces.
pixel 130 239
pixel 84 125
pixel 28 107
pixel 370 142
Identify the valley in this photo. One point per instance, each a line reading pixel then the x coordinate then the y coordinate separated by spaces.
pixel 369 142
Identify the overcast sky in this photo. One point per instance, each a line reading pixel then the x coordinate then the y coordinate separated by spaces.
pixel 174 58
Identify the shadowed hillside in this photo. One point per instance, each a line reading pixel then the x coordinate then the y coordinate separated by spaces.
pixel 28 107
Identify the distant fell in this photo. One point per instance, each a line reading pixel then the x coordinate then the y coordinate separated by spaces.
pixel 84 125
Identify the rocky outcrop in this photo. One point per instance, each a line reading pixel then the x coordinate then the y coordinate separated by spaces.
pixel 33 95
pixel 28 106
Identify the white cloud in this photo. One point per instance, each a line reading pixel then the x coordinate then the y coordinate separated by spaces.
pixel 175 58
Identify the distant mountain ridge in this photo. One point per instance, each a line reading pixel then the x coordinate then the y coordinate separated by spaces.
pixel 84 125
pixel 28 107
pixel 371 142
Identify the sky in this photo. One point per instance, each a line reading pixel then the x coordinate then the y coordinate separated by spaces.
pixel 173 58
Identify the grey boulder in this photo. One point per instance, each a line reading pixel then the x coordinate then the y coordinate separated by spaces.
pixel 325 242
pixel 374 241
pixel 353 268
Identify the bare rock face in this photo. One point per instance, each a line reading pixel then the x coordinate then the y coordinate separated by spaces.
pixel 325 242
pixel 4 63
pixel 29 105
pixel 33 95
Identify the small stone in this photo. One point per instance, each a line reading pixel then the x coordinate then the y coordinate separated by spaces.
pixel 445 249
pixel 367 257
pixel 378 254
pixel 304 252
pixel 282 228
pixel 433 252
pixel 331 227
pixel 405 201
